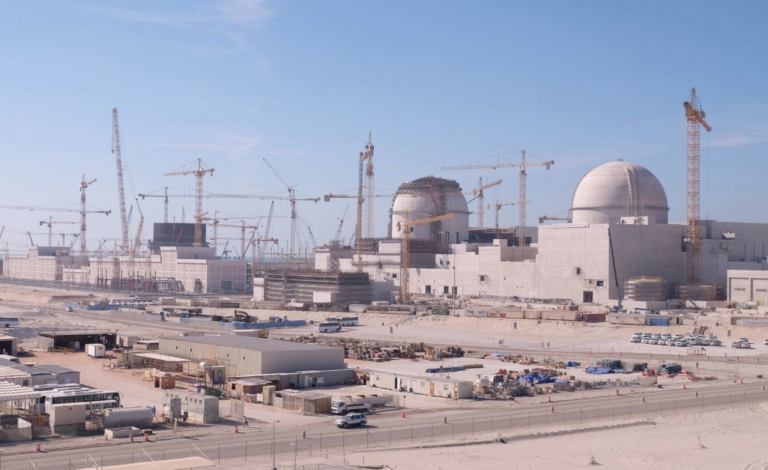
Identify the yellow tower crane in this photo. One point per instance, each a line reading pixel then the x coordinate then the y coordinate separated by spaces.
pixel 695 115
pixel 405 263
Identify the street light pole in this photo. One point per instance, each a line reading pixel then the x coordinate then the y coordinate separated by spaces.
pixel 274 467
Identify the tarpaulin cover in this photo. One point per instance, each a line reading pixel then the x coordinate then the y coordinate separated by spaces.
pixel 598 370
pixel 573 364
pixel 538 378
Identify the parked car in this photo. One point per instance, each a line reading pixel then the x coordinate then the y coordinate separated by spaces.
pixel 715 342
pixel 635 339
pixel 69 309
pixel 352 419
pixel 646 340
pixel 681 343
pixel 766 343
pixel 653 341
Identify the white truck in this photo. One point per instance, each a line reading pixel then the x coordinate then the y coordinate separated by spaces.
pixel 95 350
pixel 360 403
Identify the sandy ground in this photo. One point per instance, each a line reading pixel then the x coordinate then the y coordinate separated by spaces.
pixel 685 441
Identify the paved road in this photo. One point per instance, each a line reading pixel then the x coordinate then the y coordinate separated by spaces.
pixel 256 445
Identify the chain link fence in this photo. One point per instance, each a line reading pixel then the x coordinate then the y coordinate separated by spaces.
pixel 259 447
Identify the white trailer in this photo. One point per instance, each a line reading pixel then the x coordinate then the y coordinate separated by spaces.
pixel 95 350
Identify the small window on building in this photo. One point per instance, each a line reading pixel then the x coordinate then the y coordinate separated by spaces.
pixel 578 271
pixel 445 386
pixel 428 289
pixel 455 290
pixel 740 289
pixel 483 278
pixel 394 276
pixel 761 290
pixel 445 289
pixel 600 283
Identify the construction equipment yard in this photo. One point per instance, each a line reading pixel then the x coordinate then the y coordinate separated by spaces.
pixel 616 405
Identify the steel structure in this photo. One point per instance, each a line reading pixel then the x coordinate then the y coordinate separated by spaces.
pixel 405 257
pixel 694 115
pixel 544 218
pixel 118 153
pixel 523 190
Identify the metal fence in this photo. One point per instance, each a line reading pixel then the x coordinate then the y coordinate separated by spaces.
pixel 260 445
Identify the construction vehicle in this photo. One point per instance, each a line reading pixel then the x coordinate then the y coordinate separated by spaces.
pixel 243 316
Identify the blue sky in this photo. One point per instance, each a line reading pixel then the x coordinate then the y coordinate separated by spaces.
pixel 301 83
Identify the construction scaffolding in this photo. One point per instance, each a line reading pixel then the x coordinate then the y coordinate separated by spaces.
pixel 699 292
pixel 645 289
pixel 317 287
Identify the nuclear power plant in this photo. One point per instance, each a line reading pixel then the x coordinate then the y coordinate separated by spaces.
pixel 619 234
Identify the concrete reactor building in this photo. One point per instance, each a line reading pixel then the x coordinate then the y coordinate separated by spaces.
pixel 619 234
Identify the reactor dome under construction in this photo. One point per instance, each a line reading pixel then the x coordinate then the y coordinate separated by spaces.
pixel 430 197
pixel 619 189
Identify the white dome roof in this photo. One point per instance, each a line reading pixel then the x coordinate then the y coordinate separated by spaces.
pixel 619 189
pixel 414 201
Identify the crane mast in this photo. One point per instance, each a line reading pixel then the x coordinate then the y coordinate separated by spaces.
pixel 694 115
pixel 479 192
pixel 117 152
pixel 359 223
pixel 369 190
pixel 83 211
pixel 405 255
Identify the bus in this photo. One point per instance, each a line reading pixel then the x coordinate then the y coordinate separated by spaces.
pixel 328 327
pixel 79 396
pixel 345 321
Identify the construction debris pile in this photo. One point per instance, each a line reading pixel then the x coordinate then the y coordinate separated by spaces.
pixel 375 351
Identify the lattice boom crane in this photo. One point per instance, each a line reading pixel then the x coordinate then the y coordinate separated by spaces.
pixel 694 115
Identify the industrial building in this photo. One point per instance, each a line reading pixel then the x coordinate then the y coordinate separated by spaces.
pixel 174 269
pixel 75 340
pixel 245 356
pixel 313 287
pixel 619 233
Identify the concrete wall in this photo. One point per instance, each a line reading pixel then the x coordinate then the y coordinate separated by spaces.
pixel 748 286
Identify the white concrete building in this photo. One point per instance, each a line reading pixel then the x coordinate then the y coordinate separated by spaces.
pixel 620 231
pixel 196 268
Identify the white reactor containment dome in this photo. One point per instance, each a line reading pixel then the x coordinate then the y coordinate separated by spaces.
pixel 429 197
pixel 619 189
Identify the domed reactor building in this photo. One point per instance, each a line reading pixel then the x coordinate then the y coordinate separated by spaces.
pixel 618 248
